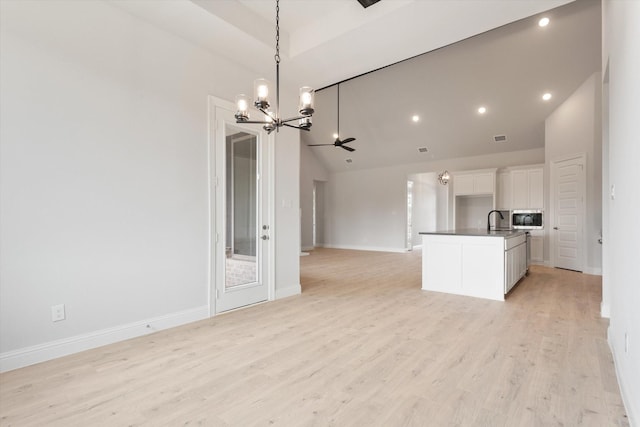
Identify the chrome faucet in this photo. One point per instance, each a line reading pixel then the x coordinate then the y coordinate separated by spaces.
pixel 489 215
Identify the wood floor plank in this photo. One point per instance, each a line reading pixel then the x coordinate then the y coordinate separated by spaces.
pixel 362 345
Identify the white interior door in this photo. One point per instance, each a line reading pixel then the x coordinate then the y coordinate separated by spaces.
pixel 242 248
pixel 568 179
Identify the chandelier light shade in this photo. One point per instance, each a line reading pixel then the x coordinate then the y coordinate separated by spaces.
pixel 271 120
pixel 242 103
pixel 444 177
pixel 306 101
pixel 261 94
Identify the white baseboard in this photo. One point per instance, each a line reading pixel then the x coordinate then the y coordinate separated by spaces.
pixel 289 291
pixel 605 310
pixel 306 248
pixel 52 350
pixel 365 248
pixel 594 271
pixel 630 409
pixel 416 247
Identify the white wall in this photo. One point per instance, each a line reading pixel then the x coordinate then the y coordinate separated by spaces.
pixel 576 127
pixel 310 170
pixel 621 41
pixel 367 209
pixel 287 211
pixel 104 177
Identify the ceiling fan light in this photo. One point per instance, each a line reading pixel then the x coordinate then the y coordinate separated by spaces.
pixel 242 105
pixel 261 93
pixel 306 101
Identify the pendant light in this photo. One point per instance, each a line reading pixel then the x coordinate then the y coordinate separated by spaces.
pixel 271 120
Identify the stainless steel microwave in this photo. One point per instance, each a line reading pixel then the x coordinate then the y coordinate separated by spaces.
pixel 527 219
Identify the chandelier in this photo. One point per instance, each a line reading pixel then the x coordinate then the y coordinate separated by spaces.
pixel 271 119
pixel 444 177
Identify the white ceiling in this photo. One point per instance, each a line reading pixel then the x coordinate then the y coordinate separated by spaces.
pixel 329 41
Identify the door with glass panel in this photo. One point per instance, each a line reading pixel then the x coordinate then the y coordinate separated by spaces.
pixel 242 223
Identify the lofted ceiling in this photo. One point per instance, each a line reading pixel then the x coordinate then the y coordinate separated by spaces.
pixel 485 61
pixel 506 71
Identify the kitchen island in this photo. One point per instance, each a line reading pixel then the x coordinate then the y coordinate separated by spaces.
pixel 473 262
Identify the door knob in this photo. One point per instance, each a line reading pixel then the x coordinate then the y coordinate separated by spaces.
pixel 265 237
pixel 555 228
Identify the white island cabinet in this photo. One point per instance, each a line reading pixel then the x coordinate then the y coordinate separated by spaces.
pixel 477 263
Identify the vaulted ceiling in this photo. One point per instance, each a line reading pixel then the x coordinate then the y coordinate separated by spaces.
pixel 474 59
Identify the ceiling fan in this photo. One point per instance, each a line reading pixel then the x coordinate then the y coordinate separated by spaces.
pixel 338 142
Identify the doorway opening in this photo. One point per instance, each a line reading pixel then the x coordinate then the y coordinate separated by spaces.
pixel 319 189
pixel 427 207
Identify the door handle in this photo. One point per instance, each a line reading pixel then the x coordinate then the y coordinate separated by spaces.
pixel 265 237
pixel 555 228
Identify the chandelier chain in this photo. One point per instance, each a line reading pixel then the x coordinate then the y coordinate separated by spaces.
pixel 277 56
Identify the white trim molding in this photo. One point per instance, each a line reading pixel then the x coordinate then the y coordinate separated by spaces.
pixel 289 291
pixel 20 358
pixel 605 310
pixel 365 248
pixel 622 384
pixel 593 270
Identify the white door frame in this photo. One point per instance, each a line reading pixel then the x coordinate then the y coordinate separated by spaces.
pixel 552 208
pixel 215 182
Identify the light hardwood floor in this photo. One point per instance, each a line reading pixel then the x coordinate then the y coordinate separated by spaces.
pixel 362 346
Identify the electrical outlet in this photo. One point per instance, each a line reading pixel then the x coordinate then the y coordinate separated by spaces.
pixel 57 313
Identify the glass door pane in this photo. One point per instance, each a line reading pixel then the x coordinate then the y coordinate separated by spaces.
pixel 242 209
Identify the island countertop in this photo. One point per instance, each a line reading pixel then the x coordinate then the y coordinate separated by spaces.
pixel 475 232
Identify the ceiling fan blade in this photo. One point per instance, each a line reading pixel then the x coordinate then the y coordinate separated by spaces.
pixel 318 145
pixel 348 148
pixel 348 140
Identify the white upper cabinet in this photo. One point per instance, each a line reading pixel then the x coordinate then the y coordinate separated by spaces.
pixel 463 184
pixel 503 191
pixel 521 188
pixel 536 188
pixel 520 198
pixel 474 183
pixel 484 183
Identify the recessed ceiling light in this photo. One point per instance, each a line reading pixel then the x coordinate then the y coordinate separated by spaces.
pixel 546 96
pixel 543 22
pixel 415 118
pixel 482 110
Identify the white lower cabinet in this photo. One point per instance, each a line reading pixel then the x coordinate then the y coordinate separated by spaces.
pixel 537 247
pixel 515 261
